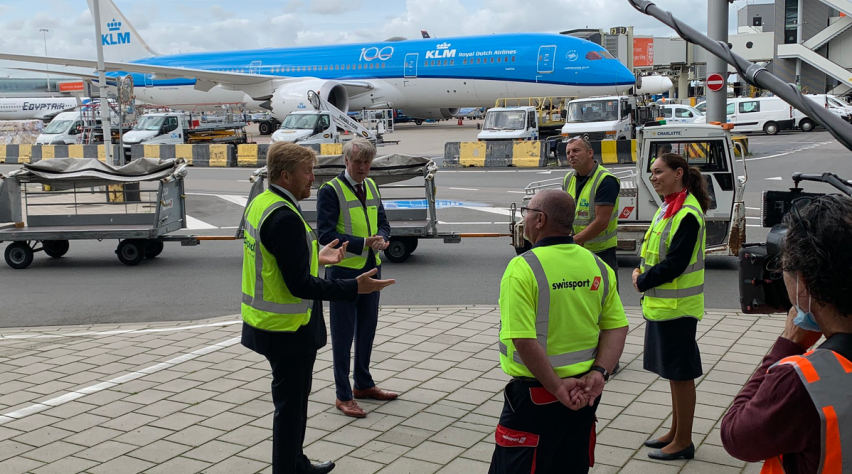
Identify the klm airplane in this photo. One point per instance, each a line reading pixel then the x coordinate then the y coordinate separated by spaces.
pixel 426 78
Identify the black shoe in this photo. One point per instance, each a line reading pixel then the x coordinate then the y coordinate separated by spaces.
pixel 656 444
pixel 687 453
pixel 321 468
pixel 616 369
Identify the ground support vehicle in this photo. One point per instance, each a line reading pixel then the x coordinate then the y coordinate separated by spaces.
pixel 758 114
pixel 707 147
pixel 411 208
pixel 320 126
pixel 88 203
pixel 179 128
pixel 607 118
pixel 527 118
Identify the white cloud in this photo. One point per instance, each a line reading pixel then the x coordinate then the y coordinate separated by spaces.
pixel 332 7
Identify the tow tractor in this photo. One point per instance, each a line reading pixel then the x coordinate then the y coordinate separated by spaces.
pixel 708 147
pixel 527 118
pixel 309 127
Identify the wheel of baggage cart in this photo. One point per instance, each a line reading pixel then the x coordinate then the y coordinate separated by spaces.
pixel 153 248
pixel 55 248
pixel 412 243
pixel 19 255
pixel 399 249
pixel 131 251
pixel 418 122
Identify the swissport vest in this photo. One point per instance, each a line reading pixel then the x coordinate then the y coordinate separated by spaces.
pixel 585 209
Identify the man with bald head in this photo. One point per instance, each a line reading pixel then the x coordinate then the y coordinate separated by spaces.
pixel 562 330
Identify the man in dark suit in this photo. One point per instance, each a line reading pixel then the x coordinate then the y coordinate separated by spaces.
pixel 281 303
pixel 349 210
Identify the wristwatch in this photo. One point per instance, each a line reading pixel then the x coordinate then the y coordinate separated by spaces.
pixel 603 372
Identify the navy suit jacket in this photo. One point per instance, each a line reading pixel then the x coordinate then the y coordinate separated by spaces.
pixel 328 213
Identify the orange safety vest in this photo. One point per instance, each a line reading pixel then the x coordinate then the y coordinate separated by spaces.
pixel 828 378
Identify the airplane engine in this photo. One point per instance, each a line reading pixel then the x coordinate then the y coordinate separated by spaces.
pixel 437 114
pixel 292 97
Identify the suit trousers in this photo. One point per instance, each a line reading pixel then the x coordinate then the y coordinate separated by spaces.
pixel 352 320
pixel 539 435
pixel 292 374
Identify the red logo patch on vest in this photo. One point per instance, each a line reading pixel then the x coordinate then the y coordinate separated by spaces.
pixel 626 213
pixel 596 284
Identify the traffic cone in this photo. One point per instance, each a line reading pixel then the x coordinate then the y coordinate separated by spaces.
pixel 460 121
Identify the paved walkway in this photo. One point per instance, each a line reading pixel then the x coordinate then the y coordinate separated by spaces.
pixel 188 398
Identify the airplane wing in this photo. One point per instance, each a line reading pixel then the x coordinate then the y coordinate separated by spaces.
pixel 89 77
pixel 258 86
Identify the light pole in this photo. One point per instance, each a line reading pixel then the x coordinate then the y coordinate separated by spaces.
pixel 46 67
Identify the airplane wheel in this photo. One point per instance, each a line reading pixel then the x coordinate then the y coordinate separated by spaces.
pixel 265 128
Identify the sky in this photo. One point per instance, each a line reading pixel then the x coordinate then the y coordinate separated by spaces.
pixel 182 26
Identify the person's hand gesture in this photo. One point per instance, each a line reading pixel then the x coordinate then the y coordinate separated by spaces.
pixel 376 242
pixel 805 339
pixel 571 394
pixel 329 255
pixel 594 384
pixel 636 274
pixel 368 284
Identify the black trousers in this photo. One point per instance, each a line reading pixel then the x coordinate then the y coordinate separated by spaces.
pixel 539 435
pixel 291 384
pixel 352 320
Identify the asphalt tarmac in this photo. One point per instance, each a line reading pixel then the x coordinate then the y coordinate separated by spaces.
pixel 90 285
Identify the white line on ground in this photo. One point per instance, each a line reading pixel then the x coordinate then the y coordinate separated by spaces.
pixel 750 225
pixel 473 223
pixel 195 224
pixel 753 208
pixel 517 192
pixel 464 189
pixel 234 198
pixel 815 145
pixel 114 332
pixel 754 218
pixel 776 178
pixel 54 402
pixel 493 210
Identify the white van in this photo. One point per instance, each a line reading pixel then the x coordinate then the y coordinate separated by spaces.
pixel 62 130
pixel 829 102
pixel 677 113
pixel 758 114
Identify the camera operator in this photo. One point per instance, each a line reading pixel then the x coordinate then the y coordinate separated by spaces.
pixel 795 410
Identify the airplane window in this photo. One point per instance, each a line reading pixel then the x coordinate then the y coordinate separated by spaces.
pixel 315 68
pixel 371 66
pixel 464 61
pixel 513 59
pixel 384 64
pixel 325 68
pixel 360 66
pixel 593 56
pixel 445 62
pixel 498 59
pixel 452 61
pixel 478 60
pixel 337 67
pixel 425 63
pixel 432 63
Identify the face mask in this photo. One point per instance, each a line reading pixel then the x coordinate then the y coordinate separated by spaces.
pixel 805 320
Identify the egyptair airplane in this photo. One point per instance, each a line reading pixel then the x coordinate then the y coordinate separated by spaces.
pixel 35 108
pixel 426 78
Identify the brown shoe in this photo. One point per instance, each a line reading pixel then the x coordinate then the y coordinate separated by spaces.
pixel 350 408
pixel 375 393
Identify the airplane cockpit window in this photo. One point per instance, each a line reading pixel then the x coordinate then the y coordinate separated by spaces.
pixel 606 54
pixel 593 56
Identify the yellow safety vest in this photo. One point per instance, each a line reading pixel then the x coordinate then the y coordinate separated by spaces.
pixel 569 302
pixel 353 219
pixel 585 209
pixel 683 297
pixel 267 302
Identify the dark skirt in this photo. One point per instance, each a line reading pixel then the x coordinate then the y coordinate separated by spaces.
pixel 670 349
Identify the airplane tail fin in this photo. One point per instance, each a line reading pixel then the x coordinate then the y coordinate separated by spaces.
pixel 121 41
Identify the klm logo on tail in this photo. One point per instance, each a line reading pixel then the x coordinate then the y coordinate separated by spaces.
pixel 115 36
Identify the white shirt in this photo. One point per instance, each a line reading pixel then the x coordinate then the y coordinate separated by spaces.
pixel 351 179
pixel 288 194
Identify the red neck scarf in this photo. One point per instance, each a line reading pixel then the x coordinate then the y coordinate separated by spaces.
pixel 675 202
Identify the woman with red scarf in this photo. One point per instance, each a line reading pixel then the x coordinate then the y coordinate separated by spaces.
pixel 671 276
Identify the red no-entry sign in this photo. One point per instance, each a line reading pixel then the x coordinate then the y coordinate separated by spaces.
pixel 715 82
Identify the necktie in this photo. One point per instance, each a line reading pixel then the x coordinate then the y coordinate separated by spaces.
pixel 359 191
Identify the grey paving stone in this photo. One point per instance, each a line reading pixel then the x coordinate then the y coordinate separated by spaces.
pixel 19 465
pixel 458 437
pixel 194 395
pixel 378 421
pixel 406 436
pixel 352 465
pixel 93 436
pixel 105 451
pixel 325 451
pixel 246 435
pixel 410 466
pixel 429 421
pixel 260 452
pixel 129 422
pixel 236 464
pixel 352 436
pixel 143 435
pixel 70 465
pixel 43 436
pixel 464 466
pixel 465 395
pixel 208 408
pixel 9 449
pixel 177 421
pixel 435 452
pixel 179 465
pixel 644 467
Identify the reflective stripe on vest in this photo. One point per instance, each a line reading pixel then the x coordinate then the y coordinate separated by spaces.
pixel 542 317
pixel 827 376
pixel 606 239
pixel 274 308
pixel 347 204
pixel 682 297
